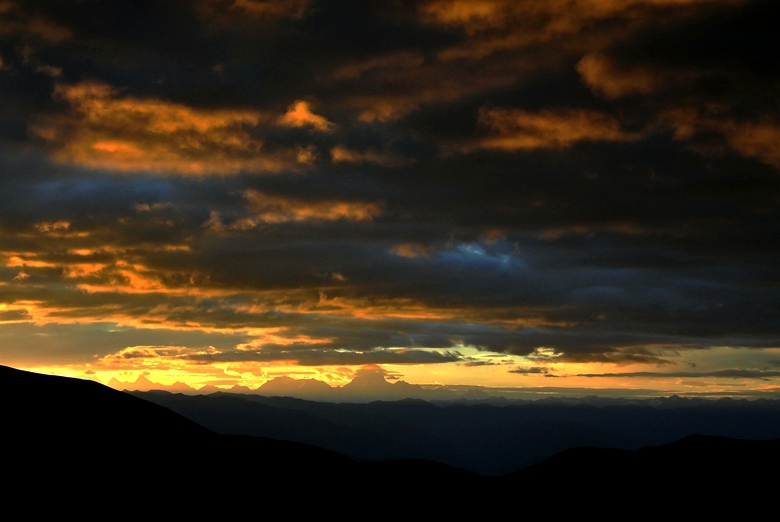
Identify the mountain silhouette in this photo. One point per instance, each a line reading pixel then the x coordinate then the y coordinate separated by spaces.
pixel 60 413
pixel 62 435
pixel 142 383
pixel 67 439
pixel 695 476
pixel 69 442
pixel 287 386
pixel 369 384
pixel 484 438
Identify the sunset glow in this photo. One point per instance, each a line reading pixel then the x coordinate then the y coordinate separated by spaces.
pixel 537 197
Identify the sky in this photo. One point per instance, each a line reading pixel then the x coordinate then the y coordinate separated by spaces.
pixel 548 194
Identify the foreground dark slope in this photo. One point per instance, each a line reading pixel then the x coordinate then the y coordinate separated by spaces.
pixel 66 437
pixel 59 413
pixel 67 440
pixel 711 460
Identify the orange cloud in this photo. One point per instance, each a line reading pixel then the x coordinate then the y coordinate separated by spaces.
pixel 52 71
pixel 500 25
pixel 276 209
pixel 26 259
pixel 261 9
pixel 13 21
pixel 604 77
pixel 306 155
pixel 53 226
pixel 473 15
pixel 411 250
pixel 108 131
pixel 563 15
pixel 384 109
pixel 299 115
pixel 385 64
pixel 750 139
pixel 514 129
pixel 343 155
pixel 393 85
pixel 756 140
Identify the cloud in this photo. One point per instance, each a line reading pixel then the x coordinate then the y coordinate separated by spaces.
pixel 530 370
pixel 752 139
pixel 299 115
pixel 21 276
pixel 474 364
pixel 330 357
pixel 411 250
pixel 633 224
pixel 755 140
pixel 341 154
pixel 621 356
pixel 482 14
pixel 386 88
pixel 563 15
pixel 495 26
pixel 60 343
pixel 52 71
pixel 236 10
pixel 277 209
pixel 104 130
pixel 515 129
pixel 617 228
pixel 53 227
pixel 13 316
pixel 383 66
pixel 14 20
pixel 603 76
pixel 732 373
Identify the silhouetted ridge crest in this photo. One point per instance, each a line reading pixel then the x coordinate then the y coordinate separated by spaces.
pixel 71 413
pixel 69 440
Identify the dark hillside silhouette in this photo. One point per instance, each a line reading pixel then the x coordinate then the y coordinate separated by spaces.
pixel 59 413
pixel 67 438
pixel 70 443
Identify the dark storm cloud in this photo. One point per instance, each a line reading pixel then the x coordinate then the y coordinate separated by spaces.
pixel 596 178
pixel 530 370
pixel 473 364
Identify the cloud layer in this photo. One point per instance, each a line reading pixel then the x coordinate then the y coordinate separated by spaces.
pixel 577 186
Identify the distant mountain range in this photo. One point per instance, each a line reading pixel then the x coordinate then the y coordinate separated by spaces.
pixel 485 438
pixel 367 385
pixel 77 445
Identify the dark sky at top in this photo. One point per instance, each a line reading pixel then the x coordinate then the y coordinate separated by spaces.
pixel 456 183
